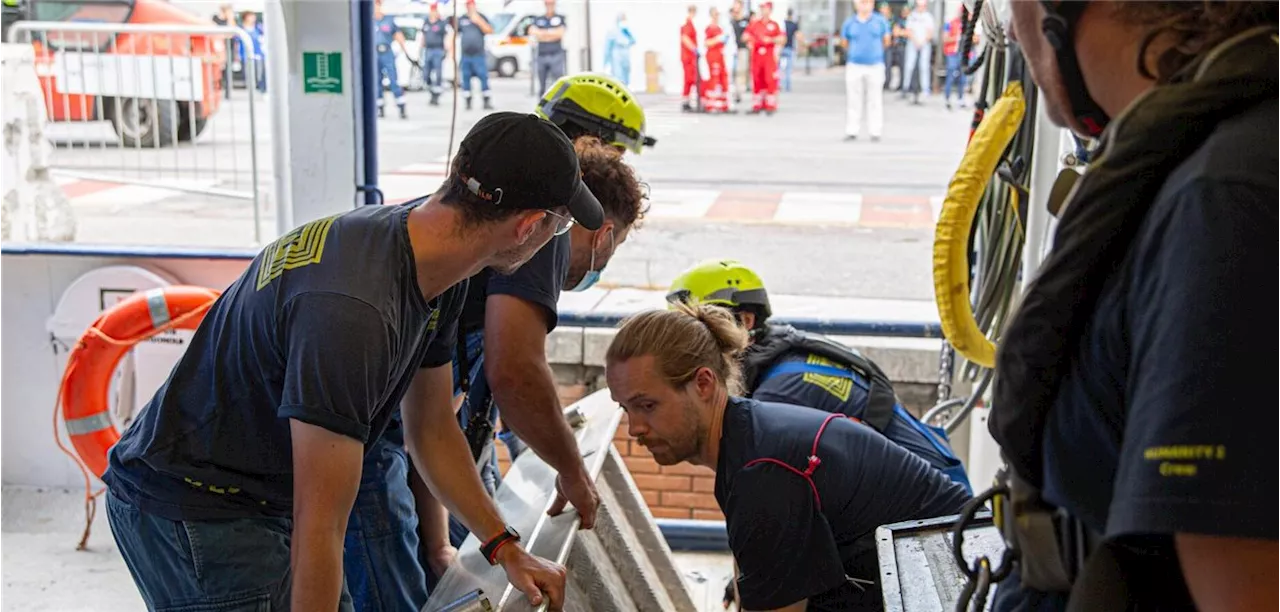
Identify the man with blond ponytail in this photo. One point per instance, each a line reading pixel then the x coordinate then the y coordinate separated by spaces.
pixel 802 490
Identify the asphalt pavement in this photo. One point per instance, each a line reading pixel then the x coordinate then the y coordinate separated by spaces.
pixel 815 213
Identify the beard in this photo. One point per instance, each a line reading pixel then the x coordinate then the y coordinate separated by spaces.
pixel 684 443
pixel 509 260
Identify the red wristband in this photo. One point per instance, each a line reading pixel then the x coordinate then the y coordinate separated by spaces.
pixel 493 559
pixel 490 549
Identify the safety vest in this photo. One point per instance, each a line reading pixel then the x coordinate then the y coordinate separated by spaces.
pixel 779 340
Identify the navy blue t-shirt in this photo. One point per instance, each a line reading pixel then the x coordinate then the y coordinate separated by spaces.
pixel 539 281
pixel 791 27
pixel 847 396
pixel 327 326
pixel 472 37
pixel 384 33
pixel 549 23
pixel 433 33
pixel 1165 423
pixel 786 546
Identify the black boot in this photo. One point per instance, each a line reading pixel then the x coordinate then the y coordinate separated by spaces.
pixel 382 112
pixel 488 104
pixel 435 99
pixel 403 114
pixel 468 102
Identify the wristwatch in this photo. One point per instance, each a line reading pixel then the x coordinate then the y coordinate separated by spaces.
pixel 490 549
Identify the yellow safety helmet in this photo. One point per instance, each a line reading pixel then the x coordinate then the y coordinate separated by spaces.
pixel 599 105
pixel 726 282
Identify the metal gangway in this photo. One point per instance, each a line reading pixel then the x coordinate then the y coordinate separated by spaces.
pixel 622 564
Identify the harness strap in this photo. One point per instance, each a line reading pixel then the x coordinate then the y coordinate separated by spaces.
pixel 463 360
pixel 814 461
pixel 880 407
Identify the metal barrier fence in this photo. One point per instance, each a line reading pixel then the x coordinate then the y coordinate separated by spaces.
pixel 164 91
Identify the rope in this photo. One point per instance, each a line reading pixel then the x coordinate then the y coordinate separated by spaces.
pixel 91 496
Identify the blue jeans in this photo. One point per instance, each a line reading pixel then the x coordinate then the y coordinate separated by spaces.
pixel 478 398
pixel 433 62
pixel 955 77
pixel 918 63
pixel 788 62
pixel 550 67
pixel 381 559
pixel 387 70
pixel 473 66
pixel 229 565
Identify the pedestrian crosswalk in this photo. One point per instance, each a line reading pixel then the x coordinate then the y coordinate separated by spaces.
pixel 671 203
pixel 667 203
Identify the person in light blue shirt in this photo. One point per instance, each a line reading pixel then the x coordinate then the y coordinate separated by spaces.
pixel 254 63
pixel 865 34
pixel 617 55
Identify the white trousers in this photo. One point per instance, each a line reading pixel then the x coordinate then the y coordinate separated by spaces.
pixel 864 97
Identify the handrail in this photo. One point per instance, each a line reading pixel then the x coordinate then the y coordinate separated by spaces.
pixel 125 28
pixel 117 250
pixel 820 325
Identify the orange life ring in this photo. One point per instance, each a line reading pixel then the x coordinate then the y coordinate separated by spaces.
pixel 87 379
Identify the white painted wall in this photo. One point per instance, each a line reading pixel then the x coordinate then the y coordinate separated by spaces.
pixel 32 369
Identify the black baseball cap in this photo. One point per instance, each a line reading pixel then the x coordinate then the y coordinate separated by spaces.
pixel 521 161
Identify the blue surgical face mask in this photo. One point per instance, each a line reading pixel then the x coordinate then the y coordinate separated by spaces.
pixel 593 275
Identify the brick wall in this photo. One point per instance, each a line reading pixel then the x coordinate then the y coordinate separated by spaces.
pixel 674 491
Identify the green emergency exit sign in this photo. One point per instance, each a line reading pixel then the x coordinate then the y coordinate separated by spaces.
pixel 321 72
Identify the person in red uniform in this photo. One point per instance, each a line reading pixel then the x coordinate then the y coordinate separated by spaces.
pixel 766 37
pixel 689 55
pixel 715 94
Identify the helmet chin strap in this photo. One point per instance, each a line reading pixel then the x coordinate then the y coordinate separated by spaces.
pixel 1058 26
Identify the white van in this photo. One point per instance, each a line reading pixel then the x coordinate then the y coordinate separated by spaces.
pixel 511 48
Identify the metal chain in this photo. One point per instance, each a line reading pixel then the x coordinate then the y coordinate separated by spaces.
pixel 946 371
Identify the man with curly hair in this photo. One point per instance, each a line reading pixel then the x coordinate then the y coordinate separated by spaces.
pixel 1133 401
pixel 509 318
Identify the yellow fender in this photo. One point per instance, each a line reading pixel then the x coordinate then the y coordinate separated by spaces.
pixel 951 238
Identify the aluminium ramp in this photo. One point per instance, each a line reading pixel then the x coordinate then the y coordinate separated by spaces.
pixel 623 564
pixel 917 564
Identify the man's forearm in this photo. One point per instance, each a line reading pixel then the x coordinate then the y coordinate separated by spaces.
pixel 525 393
pixel 438 448
pixel 316 565
pixel 433 519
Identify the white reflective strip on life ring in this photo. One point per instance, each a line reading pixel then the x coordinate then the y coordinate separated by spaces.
pixel 89 424
pixel 158 307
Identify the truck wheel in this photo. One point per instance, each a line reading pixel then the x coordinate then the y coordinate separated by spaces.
pixel 186 123
pixel 144 123
pixel 507 67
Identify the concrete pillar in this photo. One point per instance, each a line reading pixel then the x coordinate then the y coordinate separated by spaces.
pixel 35 209
pixel 318 143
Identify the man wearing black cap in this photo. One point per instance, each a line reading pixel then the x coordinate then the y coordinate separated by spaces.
pixel 233 488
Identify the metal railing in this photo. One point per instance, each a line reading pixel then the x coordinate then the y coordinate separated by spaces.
pixel 150 105
pixel 827 326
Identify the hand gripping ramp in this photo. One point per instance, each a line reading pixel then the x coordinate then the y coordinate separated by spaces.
pixel 622 565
